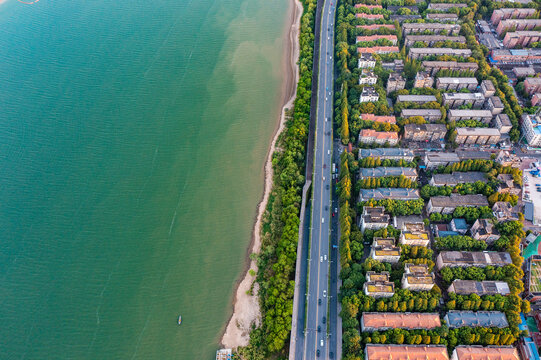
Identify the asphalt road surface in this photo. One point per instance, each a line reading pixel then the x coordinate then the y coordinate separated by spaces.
pixel 317 298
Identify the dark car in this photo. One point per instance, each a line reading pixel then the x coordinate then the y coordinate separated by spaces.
pixel 319 329
pixel 327 186
pixel 317 353
pixel 319 301
pixel 331 355
pixel 324 319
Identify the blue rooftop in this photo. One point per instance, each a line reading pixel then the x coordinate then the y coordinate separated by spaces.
pixel 445 233
pixel 533 354
pixel 456 319
pixel 523 325
pixel 460 224
pixel 521 52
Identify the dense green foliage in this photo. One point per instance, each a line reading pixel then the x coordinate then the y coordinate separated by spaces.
pixel 459 243
pixel 396 207
pixel 387 182
pixel 370 162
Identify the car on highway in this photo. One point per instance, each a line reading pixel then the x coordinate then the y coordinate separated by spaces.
pixel 324 319
pixel 321 342
pixel 331 355
pixel 327 186
pixel 322 220
pixel 325 257
pixel 319 301
pixel 321 259
pixel 319 329
pixel 324 294
pixel 317 353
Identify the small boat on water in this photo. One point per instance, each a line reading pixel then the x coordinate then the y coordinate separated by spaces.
pixel 179 319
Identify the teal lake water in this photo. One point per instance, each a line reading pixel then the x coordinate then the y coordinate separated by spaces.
pixel 132 141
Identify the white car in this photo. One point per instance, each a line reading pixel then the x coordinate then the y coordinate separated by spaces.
pixel 324 293
pixel 321 342
pixel 322 220
pixel 325 257
pixel 321 259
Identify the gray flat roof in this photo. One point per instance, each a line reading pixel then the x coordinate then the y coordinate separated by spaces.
pixel 470 113
pixel 415 98
pixel 459 200
pixel 476 319
pixel 459 177
pixel 463 96
pixel 385 152
pixel 389 193
pixel 469 258
pixel 387 171
pixel 468 131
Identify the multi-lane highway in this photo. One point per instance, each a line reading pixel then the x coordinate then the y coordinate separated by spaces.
pixel 316 336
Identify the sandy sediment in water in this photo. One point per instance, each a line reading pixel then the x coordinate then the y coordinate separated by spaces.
pixel 246 307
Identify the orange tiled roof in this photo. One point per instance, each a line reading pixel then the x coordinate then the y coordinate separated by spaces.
pixel 376 37
pixel 368 6
pixel 378 134
pixel 376 26
pixel 406 352
pixel 401 320
pixel 378 49
pixel 377 118
pixel 486 353
pixel 369 16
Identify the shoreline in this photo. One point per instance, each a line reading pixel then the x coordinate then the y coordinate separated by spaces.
pixel 246 309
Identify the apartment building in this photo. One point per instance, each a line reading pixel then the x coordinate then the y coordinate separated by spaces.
pixel 387 153
pixel 455 100
pixel 521 38
pixel 430 115
pixel 373 218
pixel 513 56
pixel 410 352
pixel 385 250
pixel 458 114
pixel 517 25
pixel 366 61
pixel 457 319
pixel 419 53
pixel 532 85
pixel 481 288
pixel 376 321
pixel 453 83
pixel 357 6
pixel 424 132
pixel 423 79
pixel 432 39
pixel 445 6
pixel 369 136
pixel 412 28
pixel 523 72
pixel 382 171
pixel 416 99
pixel 480 136
pixel 531 129
pixel 477 352
pixel 442 17
pixel 433 160
pixel 448 204
pixel 487 88
pixel 417 278
pixel 484 230
pixel 494 104
pixel 378 285
pixel 456 178
pixel 502 123
pixel 392 38
pixel 510 13
pixel 369 16
pixel 414 235
pixel 367 77
pixel 472 258
pixel 434 66
pixel 376 27
pixel 369 94
pixel 504 211
pixel 378 49
pixel 388 193
pixel 395 82
pixel 387 119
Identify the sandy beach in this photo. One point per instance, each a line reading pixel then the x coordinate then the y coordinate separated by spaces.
pixel 246 307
